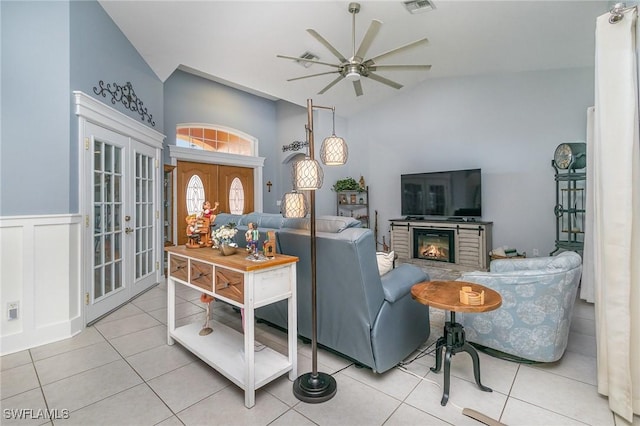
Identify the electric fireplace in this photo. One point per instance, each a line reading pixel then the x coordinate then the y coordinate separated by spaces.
pixel 434 244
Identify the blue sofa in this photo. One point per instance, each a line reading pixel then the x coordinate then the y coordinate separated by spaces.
pixel 366 317
pixel 538 295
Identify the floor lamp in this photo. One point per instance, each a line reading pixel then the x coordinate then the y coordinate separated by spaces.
pixel 313 387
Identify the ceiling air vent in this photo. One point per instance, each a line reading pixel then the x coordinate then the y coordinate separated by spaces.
pixel 418 6
pixel 307 55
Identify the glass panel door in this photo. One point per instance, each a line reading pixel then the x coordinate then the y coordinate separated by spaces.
pixel 147 216
pixel 124 227
pixel 144 215
pixel 107 206
pixel 106 169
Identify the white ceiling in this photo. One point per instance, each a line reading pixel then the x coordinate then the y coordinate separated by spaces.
pixel 236 42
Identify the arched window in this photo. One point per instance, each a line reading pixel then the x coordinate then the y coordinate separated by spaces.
pixel 236 197
pixel 195 195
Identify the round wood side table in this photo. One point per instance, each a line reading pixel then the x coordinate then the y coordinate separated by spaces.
pixel 446 295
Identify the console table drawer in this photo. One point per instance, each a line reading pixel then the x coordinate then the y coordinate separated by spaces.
pixel 178 267
pixel 202 275
pixel 230 284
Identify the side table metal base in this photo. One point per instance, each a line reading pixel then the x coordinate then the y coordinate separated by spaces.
pixel 453 341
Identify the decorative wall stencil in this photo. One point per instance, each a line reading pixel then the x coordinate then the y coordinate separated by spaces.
pixel 127 97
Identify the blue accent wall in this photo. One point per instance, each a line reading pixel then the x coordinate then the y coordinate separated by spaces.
pixel 35 165
pixel 99 51
pixel 49 49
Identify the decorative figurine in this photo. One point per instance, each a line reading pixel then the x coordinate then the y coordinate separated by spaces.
pixel 206 299
pixel 361 182
pixel 252 236
pixel 207 211
pixel 193 232
pixel 269 246
pixel 205 219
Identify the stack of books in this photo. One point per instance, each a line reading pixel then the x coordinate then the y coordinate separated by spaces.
pixel 505 253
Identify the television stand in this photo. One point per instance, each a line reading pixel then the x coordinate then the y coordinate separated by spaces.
pixel 471 240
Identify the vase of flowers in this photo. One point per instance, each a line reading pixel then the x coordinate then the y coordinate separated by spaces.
pixel 224 239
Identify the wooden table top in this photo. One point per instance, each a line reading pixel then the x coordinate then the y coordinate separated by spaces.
pixel 446 295
pixel 235 261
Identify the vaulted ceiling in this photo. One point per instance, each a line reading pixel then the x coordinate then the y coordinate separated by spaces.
pixel 236 42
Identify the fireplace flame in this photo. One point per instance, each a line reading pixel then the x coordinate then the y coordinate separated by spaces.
pixel 435 252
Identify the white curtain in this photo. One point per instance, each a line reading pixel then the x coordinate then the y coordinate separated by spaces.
pixel 612 243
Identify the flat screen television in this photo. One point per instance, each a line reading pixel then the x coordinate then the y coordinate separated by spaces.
pixel 448 194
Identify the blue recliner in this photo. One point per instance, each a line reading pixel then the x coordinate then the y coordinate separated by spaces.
pixel 538 295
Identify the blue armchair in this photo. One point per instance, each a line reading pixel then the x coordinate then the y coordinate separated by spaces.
pixel 369 318
pixel 538 295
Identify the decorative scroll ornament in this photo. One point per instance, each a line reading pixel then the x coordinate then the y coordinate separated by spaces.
pixel 127 97
pixel 295 146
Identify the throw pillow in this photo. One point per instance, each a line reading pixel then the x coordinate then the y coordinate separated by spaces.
pixel 385 261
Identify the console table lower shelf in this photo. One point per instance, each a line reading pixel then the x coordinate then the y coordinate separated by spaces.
pixel 230 362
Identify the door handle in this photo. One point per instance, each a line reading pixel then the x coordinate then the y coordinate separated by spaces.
pixel 127 218
pixel 128 230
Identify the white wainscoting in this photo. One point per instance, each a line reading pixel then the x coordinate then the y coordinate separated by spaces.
pixel 40 269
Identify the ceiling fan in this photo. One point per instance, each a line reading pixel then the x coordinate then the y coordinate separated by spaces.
pixel 357 66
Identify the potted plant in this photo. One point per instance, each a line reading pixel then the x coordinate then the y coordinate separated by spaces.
pixel 347 184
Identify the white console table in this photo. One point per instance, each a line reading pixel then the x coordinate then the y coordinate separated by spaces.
pixel 248 285
pixel 472 242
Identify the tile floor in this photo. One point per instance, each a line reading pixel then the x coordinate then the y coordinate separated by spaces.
pixel 121 371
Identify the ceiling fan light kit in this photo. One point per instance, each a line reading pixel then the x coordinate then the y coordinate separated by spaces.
pixel 356 67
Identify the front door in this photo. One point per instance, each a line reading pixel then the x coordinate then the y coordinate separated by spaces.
pixel 230 186
pixel 122 223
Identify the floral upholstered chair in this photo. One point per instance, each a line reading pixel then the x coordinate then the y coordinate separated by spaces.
pixel 538 295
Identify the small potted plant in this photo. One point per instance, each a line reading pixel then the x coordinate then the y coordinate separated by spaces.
pixel 347 184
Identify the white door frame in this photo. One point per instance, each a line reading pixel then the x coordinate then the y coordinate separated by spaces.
pixel 90 110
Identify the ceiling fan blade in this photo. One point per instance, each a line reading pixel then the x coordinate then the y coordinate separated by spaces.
pixel 308 60
pixel 383 80
pixel 368 39
pixel 357 86
pixel 399 67
pixel 330 85
pixel 328 45
pixel 313 75
pixel 398 49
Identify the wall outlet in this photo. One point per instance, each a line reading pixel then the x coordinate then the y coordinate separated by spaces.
pixel 12 310
pixel 536 253
pixel 278 202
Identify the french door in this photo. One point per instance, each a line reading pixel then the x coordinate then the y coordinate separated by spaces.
pixel 122 225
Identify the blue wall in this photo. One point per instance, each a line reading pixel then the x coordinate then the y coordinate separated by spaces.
pixel 35 168
pixel 99 51
pixel 192 99
pixel 50 49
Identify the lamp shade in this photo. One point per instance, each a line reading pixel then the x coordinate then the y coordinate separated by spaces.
pixel 294 204
pixel 334 151
pixel 307 175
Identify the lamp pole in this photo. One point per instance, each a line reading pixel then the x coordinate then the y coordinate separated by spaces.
pixel 313 387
